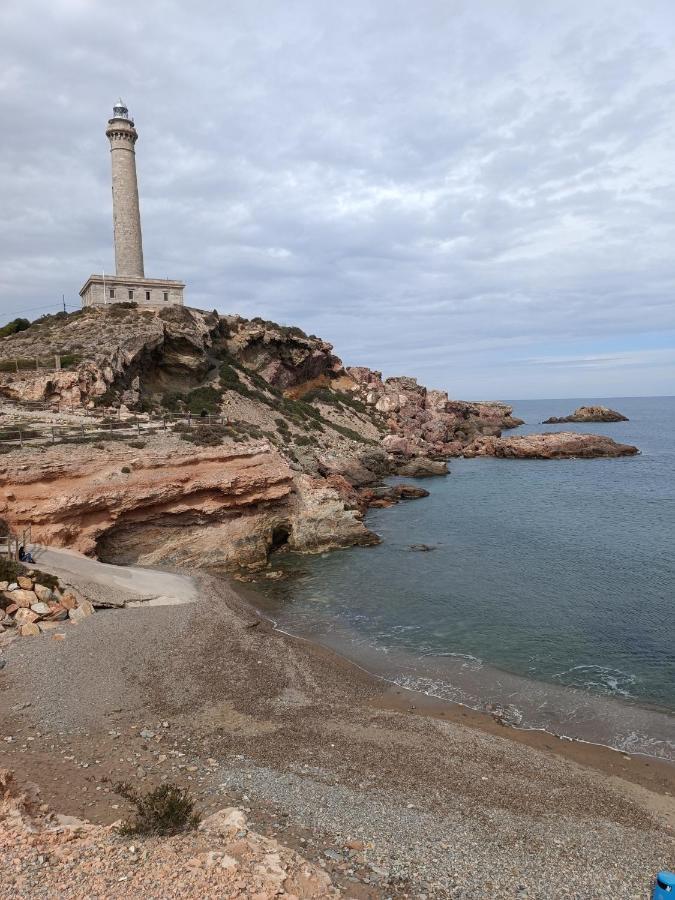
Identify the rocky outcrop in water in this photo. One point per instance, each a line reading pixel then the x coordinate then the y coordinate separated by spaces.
pixel 588 414
pixel 557 445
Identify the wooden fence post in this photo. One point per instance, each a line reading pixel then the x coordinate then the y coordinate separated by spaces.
pixel 20 438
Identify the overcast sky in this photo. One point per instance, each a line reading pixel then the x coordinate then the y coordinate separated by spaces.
pixel 480 194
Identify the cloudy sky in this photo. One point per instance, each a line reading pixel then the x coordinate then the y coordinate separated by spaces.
pixel 478 193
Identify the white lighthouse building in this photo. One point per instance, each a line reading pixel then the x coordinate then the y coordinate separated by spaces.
pixel 129 281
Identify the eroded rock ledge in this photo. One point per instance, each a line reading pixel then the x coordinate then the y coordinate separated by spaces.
pixel 558 445
pixel 177 504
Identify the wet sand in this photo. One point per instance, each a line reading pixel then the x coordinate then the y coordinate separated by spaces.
pixel 437 799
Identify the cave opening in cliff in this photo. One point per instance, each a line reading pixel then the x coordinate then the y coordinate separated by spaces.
pixel 280 536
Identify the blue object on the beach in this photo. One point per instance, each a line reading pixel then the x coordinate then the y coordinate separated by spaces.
pixel 664 888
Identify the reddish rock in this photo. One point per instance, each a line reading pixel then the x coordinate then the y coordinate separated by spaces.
pixel 25 617
pixel 68 601
pixel 22 598
pixel 29 630
pixel 588 414
pixel 555 445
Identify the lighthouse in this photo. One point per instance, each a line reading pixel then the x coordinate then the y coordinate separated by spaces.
pixel 122 134
pixel 129 283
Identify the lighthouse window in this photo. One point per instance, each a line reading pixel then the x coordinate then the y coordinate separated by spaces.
pixel 166 295
pixel 112 293
pixel 147 295
pixel 131 295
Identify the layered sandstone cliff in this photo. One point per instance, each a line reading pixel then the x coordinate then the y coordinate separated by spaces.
pixel 223 506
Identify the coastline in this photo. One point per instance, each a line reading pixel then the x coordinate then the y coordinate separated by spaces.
pixel 641 769
pixel 317 750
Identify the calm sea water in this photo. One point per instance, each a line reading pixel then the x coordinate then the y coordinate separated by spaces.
pixel 550 589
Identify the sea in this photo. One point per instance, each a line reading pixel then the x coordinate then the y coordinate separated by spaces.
pixel 547 594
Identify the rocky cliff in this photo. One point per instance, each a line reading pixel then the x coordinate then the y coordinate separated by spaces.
pixel 255 436
pixel 223 506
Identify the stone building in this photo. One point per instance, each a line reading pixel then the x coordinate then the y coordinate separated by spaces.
pixel 129 281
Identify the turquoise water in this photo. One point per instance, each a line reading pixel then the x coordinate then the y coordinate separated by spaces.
pixel 550 588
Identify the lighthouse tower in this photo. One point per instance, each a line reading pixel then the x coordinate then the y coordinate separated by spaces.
pixel 129 282
pixel 122 135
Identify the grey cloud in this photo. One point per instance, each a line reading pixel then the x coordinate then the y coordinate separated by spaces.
pixel 441 189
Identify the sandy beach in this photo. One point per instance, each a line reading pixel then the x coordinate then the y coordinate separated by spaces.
pixel 394 794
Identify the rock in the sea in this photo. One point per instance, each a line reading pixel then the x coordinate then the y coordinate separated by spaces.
pixel 420 467
pixel 555 445
pixel 588 414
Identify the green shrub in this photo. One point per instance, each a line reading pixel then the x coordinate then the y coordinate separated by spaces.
pixel 50 581
pixel 207 435
pixel 10 570
pixel 204 399
pixel 14 327
pixel 137 445
pixel 172 400
pixel 350 433
pixel 166 810
pixel 68 360
pixel 304 440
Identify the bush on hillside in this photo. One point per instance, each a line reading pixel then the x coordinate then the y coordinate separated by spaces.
pixel 14 327
pixel 166 810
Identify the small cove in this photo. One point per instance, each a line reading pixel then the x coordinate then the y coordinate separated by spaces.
pixel 549 591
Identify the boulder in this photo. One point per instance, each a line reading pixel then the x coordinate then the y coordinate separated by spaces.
pixel 24 582
pixel 68 601
pixel 224 823
pixel 44 594
pixel 57 613
pixel 4 585
pixel 84 609
pixel 25 616
pixel 13 586
pixel 395 443
pixel 41 609
pixel 29 630
pixel 22 597
pixel 420 467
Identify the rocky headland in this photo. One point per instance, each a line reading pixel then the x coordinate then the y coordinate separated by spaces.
pixel 588 414
pixel 251 437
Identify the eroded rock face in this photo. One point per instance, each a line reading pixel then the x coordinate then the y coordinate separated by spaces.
pixel 426 422
pixel 203 506
pixel 557 445
pixel 589 414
